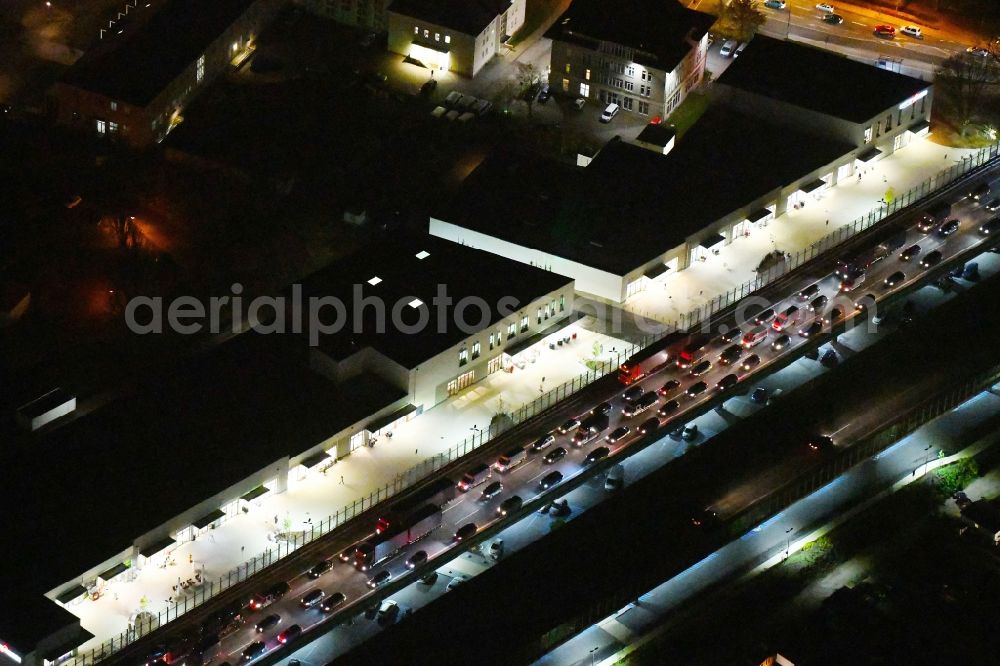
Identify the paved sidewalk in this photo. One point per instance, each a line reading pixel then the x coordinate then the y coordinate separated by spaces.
pixel 319 494
pixel 794 230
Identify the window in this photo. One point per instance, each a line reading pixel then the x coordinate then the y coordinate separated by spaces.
pixel 463 356
pixel 416 30
pixel 114 106
pixel 357 439
pixel 476 348
pixel 645 91
pixel 102 127
pixel 644 108
pixel 567 68
pixel 565 85
pixel 868 135
pixel 888 122
pixel 492 339
pixel 627 103
pixel 629 86
pixel 447 39
pixel 630 71
pixel 437 36
pixel 200 74
pixel 586 75
pixel 427 33
pixel 539 316
pixel 562 303
pixel 585 90
pixel 113 127
pixel 511 330
pixel 524 323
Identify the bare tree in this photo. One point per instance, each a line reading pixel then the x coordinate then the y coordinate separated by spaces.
pixel 964 82
pixel 527 76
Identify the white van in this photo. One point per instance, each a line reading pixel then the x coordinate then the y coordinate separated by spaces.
pixel 610 112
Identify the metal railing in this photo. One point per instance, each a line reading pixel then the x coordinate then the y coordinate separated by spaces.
pixel 835 238
pixel 292 541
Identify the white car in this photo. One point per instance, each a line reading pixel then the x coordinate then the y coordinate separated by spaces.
pixel 978 51
pixel 825 8
pixel 912 31
pixel 728 48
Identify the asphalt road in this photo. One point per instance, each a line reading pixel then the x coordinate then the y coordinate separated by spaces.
pixel 523 481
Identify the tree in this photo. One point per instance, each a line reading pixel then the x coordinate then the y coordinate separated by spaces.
pixel 956 476
pixel 527 76
pixel 742 17
pixel 963 84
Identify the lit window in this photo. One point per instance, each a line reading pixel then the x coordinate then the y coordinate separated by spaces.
pixel 565 85
pixel 511 330
pixel 437 36
pixel 562 303
pixel 200 74
pixel 114 106
pixel 416 30
pixel 415 303
pixel 463 357
pixel 539 317
pixel 102 127
pixel 374 281
pixel 492 340
pixel 586 75
pixel 447 39
pixel 585 90
pixel 475 349
pixel 427 33
pixel 524 324
pixel 567 68
pixel 113 127
pixel 423 254
pixel 868 135
pixel 236 47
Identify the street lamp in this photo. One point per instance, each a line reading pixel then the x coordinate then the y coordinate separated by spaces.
pixel 788 540
pixel 927 457
pixel 591 653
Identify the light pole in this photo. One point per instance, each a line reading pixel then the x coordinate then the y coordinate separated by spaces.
pixel 927 457
pixel 592 654
pixel 788 540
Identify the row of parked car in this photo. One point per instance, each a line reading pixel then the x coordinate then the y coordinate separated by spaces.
pixel 461 107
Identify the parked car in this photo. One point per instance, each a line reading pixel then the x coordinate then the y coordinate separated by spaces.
pixel 696 389
pixel 932 258
pixel 775 4
pixel 948 228
pixel 833 19
pixel 912 31
pixel 727 48
pixel 759 395
pixel 550 479
pixel 617 434
pixel 825 8
pixel 320 568
pixel 554 455
pixel 254 650
pixel 568 426
pixel 332 600
pixel 669 387
pixel 544 95
pixel 690 433
pixel 598 453
pixel 579 102
pixel 750 362
pixel 465 531
pixel 509 505
pixel 496 549
pixel 668 408
pixel 894 279
pixel 430 578
pixel 268 623
pixel 289 634
pixel 491 491
pixel 388 612
pixel 610 111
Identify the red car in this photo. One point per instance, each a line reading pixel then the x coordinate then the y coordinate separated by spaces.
pixel 883 30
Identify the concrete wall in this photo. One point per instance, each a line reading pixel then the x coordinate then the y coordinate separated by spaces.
pixel 590 280
pixel 461 49
pixel 367 14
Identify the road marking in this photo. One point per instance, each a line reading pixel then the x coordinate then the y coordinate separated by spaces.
pixel 858 23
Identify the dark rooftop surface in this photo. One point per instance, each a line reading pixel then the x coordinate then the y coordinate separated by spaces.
pixel 658 134
pixel 403 276
pixel 136 66
pixel 818 80
pixel 609 555
pixel 79 495
pixel 659 29
pixel 631 204
pixel 468 16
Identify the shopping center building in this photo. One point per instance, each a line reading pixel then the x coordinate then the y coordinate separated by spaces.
pixel 639 212
pixel 203 442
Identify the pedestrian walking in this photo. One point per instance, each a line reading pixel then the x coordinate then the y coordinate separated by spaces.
pixel 190 558
pixel 341 479
pixel 415 451
pixel 828 223
pixel 275 519
pixel 859 176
